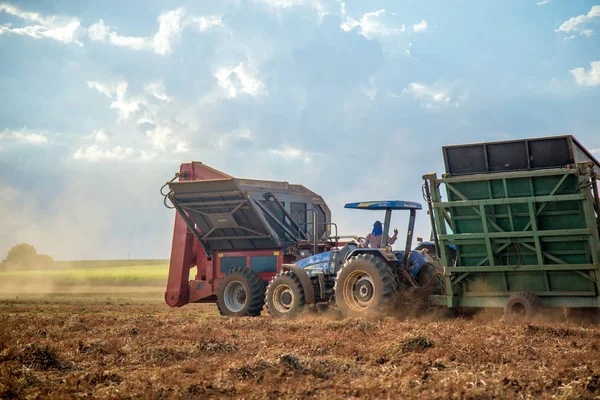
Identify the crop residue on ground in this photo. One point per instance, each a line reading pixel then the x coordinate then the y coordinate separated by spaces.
pixel 120 348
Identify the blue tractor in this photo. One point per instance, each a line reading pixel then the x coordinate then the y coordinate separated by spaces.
pixel 359 282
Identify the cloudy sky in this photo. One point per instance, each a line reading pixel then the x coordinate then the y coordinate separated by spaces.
pixel 102 100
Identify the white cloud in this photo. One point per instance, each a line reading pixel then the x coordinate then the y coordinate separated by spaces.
pixel 372 24
pixel 23 136
pixel 181 147
pixel 587 32
pixel 370 90
pixel 63 29
pixel 587 78
pixel 106 89
pixel 161 118
pixel 436 95
pixel 577 24
pixel 94 153
pixel 595 151
pixel 204 23
pixel 240 79
pixel 27 16
pixel 125 105
pixel 101 32
pixel 98 31
pixel 291 153
pixel 146 156
pixel 98 135
pixel 170 25
pixel 226 140
pixel 160 136
pixel 131 42
pixel 157 89
pixel 420 27
pixel 33 138
pixel 284 4
pixel 169 29
pixel 420 91
pixel 542 2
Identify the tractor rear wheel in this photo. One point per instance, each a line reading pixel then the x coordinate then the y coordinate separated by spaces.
pixel 430 279
pixel 365 287
pixel 241 293
pixel 521 307
pixel 285 296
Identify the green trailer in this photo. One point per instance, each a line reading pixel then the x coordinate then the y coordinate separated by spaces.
pixel 523 216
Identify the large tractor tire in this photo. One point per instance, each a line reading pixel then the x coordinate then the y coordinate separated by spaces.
pixel 241 293
pixel 430 279
pixel 285 296
pixel 521 307
pixel 365 287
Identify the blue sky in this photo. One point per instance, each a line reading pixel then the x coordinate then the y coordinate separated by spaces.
pixel 102 100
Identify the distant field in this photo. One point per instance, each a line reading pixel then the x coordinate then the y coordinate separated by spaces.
pixel 105 263
pixel 68 276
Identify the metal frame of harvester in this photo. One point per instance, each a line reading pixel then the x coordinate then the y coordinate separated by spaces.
pixel 224 223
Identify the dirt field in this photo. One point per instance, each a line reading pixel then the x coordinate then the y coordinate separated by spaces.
pixel 133 346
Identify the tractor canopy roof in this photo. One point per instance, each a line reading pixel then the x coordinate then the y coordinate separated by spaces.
pixel 385 205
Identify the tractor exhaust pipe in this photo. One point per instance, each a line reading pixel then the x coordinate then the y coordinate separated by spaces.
pixel 315 231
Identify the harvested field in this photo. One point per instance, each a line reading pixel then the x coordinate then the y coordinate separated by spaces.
pixel 133 346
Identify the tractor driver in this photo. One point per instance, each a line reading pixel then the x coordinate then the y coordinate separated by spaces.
pixel 373 239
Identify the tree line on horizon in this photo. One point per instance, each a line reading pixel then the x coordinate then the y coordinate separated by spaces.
pixel 24 256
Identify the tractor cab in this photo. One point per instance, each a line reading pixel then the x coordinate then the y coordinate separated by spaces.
pixel 388 207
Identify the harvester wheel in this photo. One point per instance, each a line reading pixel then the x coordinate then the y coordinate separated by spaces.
pixel 365 287
pixel 521 307
pixel 285 296
pixel 241 293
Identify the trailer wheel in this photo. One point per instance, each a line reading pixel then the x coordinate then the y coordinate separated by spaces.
pixel 241 293
pixel 365 287
pixel 285 296
pixel 521 307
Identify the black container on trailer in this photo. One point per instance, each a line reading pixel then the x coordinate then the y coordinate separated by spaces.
pixel 515 155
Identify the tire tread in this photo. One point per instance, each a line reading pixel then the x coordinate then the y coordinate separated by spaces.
pixel 256 295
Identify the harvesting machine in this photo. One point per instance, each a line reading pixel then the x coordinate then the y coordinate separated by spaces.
pixel 238 233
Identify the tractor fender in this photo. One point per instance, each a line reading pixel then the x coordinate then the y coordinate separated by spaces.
pixel 309 291
pixel 379 253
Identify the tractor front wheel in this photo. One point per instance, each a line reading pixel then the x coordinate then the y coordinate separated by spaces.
pixel 285 296
pixel 241 293
pixel 365 287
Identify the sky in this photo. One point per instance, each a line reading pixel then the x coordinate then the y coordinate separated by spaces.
pixel 100 102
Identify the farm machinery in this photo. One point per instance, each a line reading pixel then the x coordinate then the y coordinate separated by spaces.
pixel 255 241
pixel 523 216
pixel 519 231
pixel 237 234
pixel 357 281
